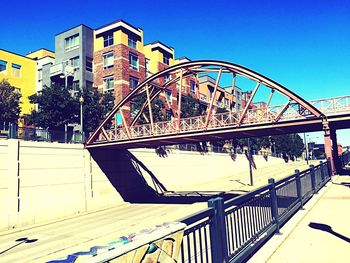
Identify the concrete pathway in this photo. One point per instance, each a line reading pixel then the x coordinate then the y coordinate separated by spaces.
pixel 58 239
pixel 322 233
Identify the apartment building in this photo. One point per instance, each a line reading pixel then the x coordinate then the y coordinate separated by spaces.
pixel 20 72
pixel 73 58
pixel 44 60
pixel 224 98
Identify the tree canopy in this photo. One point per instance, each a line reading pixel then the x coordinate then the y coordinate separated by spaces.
pixel 9 102
pixel 57 107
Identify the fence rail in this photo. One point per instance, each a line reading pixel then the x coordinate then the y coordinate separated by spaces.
pixel 231 231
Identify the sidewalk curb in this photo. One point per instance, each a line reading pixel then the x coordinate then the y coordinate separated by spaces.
pixel 270 247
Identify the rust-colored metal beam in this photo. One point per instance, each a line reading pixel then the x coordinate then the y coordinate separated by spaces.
pixel 212 99
pixel 248 104
pixel 179 103
pixel 285 107
pixel 270 98
pixel 105 134
pixel 124 123
pixel 150 109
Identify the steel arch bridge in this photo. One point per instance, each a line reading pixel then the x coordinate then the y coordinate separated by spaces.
pixel 296 115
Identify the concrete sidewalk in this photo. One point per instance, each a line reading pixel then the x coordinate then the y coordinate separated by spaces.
pixel 320 233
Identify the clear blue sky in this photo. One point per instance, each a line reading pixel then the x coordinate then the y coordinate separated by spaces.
pixel 304 45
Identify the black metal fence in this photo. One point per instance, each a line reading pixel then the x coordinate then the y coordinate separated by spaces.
pixel 231 231
pixel 12 131
pixel 345 158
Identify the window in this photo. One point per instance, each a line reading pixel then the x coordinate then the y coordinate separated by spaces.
pixel 168 95
pixel 133 61
pixel 132 42
pixel 192 87
pixel 108 60
pixel 167 78
pixel 133 109
pixel 88 64
pixel 75 86
pixel 108 84
pixel 89 84
pixel 168 115
pixel 16 70
pixel 3 65
pixel 226 102
pixel 75 62
pixel 108 39
pixel 133 82
pixel 72 42
pixel 40 75
pixel 165 60
pixel 148 71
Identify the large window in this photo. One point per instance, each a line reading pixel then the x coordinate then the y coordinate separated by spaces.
pixel 226 102
pixel 108 84
pixel 165 60
pixel 72 42
pixel 133 82
pixel 133 61
pixel 75 62
pixel 75 86
pixel 192 87
pixel 89 64
pixel 108 60
pixel 167 78
pixel 3 65
pixel 40 75
pixel 148 71
pixel 108 39
pixel 132 42
pixel 16 70
pixel 168 95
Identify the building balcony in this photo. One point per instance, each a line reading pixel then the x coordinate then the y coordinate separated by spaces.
pixel 59 70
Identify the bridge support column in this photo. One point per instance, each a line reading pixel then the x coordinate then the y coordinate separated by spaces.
pixel 331 150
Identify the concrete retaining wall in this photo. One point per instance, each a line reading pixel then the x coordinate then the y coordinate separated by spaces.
pixel 41 181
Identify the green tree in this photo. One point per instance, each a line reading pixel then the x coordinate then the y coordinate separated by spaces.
pixel 9 102
pixel 157 107
pixel 56 108
pixel 190 107
pixel 95 106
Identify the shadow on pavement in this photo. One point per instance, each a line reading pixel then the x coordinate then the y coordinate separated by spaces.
pixel 127 175
pixel 20 241
pixel 328 229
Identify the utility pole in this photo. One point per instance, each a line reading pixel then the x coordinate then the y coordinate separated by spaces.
pixel 250 164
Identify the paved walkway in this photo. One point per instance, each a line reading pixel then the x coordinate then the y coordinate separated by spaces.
pixel 55 240
pixel 322 233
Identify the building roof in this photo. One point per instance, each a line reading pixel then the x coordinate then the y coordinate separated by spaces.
pixel 117 21
pixel 39 50
pixel 15 54
pixel 73 28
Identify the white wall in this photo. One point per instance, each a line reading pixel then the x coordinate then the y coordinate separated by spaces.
pixel 42 181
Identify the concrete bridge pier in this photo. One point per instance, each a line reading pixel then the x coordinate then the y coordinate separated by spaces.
pixel 331 150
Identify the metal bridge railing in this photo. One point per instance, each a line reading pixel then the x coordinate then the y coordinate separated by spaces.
pixel 231 231
pixel 253 116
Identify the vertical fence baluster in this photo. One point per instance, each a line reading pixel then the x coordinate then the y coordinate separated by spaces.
pixel 299 190
pixel 274 207
pixel 313 181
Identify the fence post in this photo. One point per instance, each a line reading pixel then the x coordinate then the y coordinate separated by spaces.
pixel 299 190
pixel 313 181
pixel 274 206
pixel 322 171
pixel 218 242
pixel 329 167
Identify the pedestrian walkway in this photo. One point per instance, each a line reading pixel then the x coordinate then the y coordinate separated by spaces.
pixel 322 233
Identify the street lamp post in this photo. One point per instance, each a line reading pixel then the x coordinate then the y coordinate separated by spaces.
pixel 81 100
pixel 306 149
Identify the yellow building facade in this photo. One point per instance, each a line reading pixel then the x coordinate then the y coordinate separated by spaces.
pixel 20 72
